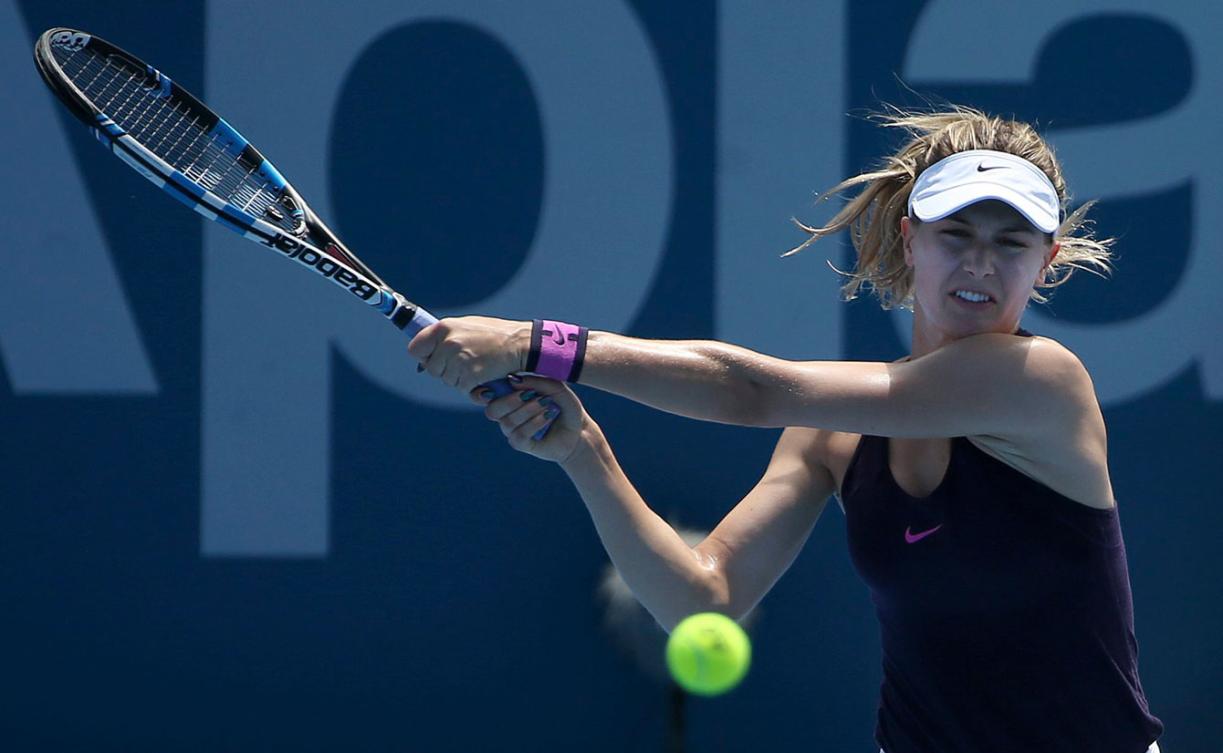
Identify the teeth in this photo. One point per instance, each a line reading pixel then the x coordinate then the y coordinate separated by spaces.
pixel 974 297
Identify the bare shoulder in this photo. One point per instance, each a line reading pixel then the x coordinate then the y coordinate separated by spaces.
pixel 1070 454
pixel 1040 361
pixel 1067 384
pixel 1033 385
pixel 1027 401
pixel 1058 366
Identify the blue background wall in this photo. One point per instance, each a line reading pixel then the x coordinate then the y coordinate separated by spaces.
pixel 231 520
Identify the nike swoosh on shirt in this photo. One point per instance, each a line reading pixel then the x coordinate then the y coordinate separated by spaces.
pixel 913 538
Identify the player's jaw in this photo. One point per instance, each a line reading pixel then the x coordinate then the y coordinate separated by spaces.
pixel 987 295
pixel 954 303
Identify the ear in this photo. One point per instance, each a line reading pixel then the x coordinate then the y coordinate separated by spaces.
pixel 1052 255
pixel 906 237
pixel 1043 275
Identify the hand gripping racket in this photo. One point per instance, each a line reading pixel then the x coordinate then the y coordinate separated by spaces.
pixel 170 137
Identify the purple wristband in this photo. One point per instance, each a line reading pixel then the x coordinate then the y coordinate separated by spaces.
pixel 557 349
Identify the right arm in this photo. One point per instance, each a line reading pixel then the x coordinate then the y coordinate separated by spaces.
pixel 734 567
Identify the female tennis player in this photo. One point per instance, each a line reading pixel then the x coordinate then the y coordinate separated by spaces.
pixel 973 473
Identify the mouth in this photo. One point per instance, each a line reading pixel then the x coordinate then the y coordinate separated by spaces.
pixel 972 299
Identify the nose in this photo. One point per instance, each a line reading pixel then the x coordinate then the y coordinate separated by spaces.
pixel 979 261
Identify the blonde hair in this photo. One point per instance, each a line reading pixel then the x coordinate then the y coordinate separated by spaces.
pixel 873 216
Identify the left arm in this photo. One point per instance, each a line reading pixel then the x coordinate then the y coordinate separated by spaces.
pixel 994 384
pixel 997 385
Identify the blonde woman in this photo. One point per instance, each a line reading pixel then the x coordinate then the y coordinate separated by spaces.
pixel 973 472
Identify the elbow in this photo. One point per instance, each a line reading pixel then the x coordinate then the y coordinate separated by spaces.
pixel 712 594
pixel 736 603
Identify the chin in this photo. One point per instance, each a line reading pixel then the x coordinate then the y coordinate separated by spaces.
pixel 962 329
pixel 957 325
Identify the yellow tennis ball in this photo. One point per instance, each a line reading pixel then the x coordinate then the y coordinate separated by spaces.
pixel 708 653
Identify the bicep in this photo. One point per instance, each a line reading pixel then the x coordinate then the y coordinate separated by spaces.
pixel 995 385
pixel 759 539
pixel 1018 388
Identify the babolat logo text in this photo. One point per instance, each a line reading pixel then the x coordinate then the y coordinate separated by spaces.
pixel 70 40
pixel 326 267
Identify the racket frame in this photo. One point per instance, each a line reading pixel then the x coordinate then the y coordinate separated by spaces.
pixel 314 246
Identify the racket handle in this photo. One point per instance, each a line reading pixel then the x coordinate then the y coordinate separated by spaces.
pixel 418 320
pixel 500 387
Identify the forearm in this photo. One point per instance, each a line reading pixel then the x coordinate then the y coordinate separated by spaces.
pixel 716 381
pixel 701 379
pixel 667 576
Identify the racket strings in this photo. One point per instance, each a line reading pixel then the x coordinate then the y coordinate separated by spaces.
pixel 173 130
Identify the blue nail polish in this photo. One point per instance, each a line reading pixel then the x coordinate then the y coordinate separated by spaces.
pixel 546 401
pixel 542 432
pixel 528 395
pixel 552 412
pixel 488 395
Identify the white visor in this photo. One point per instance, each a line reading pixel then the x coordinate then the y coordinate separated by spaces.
pixel 965 178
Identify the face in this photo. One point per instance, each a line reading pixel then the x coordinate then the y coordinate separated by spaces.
pixel 986 249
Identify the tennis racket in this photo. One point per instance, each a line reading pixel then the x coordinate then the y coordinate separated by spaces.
pixel 170 137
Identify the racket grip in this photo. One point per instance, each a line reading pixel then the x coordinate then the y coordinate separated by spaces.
pixel 500 387
pixel 419 320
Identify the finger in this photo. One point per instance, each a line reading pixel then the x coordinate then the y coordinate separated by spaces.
pixel 524 436
pixel 523 414
pixel 440 362
pixel 450 373
pixel 434 365
pixel 425 341
pixel 552 411
pixel 503 406
pixel 559 392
